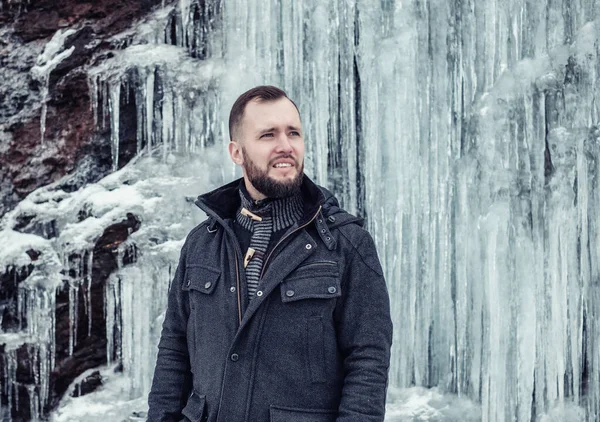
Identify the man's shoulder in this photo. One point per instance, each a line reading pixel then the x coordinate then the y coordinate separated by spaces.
pixel 362 244
pixel 197 232
pixel 355 233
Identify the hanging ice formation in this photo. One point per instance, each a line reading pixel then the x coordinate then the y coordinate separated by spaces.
pixel 172 100
pixel 34 338
pixel 53 54
pixel 466 133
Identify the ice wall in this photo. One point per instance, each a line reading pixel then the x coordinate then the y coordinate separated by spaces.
pixel 466 132
pixel 486 207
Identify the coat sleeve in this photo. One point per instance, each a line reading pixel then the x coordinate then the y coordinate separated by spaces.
pixel 172 382
pixel 364 329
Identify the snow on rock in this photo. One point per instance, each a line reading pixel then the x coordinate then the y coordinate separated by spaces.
pixel 16 245
pixel 156 194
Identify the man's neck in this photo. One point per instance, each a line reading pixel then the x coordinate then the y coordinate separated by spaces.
pixel 255 195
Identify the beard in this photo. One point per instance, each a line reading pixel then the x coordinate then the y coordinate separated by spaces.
pixel 268 186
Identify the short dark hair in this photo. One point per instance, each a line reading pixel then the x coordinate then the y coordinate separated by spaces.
pixel 263 93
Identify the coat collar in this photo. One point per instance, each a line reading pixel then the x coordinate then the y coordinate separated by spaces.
pixel 224 201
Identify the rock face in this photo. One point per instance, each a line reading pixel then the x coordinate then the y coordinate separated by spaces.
pixel 76 349
pixel 26 161
pixel 48 131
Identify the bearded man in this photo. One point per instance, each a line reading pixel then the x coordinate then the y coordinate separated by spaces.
pixel 278 310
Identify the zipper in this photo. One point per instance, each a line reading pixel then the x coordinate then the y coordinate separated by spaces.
pixel 237 282
pixel 285 237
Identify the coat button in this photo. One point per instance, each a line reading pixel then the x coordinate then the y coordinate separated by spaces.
pixel 289 293
pixel 188 282
pixel 235 357
pixel 207 285
pixel 232 289
pixel 332 289
pixel 320 221
pixel 259 293
pixel 331 219
pixel 308 246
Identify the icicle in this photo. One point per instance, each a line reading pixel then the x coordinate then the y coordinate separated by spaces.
pixel 120 254
pixel 184 7
pixel 139 110
pixel 105 104
pixel 34 402
pixel 77 267
pixel 89 290
pixel 179 123
pixel 44 371
pixel 149 90
pixel 73 312
pixel 10 375
pixel 21 307
pixel 93 86
pixel 118 320
pixel 127 316
pixel 109 312
pixel 168 122
pixel 44 100
pixel 115 98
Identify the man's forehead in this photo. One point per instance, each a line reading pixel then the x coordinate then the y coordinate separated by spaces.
pixel 262 114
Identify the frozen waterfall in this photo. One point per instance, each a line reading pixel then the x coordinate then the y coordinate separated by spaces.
pixel 466 132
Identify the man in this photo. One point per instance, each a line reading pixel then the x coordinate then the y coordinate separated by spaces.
pixel 278 310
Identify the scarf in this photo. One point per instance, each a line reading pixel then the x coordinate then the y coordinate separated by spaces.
pixel 261 219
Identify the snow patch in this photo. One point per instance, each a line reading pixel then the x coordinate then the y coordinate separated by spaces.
pixel 421 404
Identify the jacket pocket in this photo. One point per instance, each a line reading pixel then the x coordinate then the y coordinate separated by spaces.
pixel 194 410
pixel 315 268
pixel 314 280
pixel 201 279
pixel 289 414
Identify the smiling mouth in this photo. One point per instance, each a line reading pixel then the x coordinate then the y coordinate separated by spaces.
pixel 282 165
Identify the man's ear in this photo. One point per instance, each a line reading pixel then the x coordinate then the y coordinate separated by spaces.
pixel 235 152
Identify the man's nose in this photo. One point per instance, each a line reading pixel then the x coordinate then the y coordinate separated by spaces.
pixel 283 143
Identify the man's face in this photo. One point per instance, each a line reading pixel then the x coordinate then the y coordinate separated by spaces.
pixel 270 148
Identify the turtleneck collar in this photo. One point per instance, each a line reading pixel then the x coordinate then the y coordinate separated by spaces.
pixel 283 211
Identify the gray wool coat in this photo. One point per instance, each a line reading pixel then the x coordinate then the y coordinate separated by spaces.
pixel 313 345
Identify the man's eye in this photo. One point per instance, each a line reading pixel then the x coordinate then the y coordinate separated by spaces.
pixel 295 133
pixel 265 135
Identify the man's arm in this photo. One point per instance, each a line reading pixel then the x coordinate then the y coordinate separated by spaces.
pixel 172 381
pixel 364 335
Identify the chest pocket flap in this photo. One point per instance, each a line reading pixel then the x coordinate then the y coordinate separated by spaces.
pixel 201 279
pixel 317 280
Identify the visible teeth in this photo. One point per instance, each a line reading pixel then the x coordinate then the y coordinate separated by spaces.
pixel 283 165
